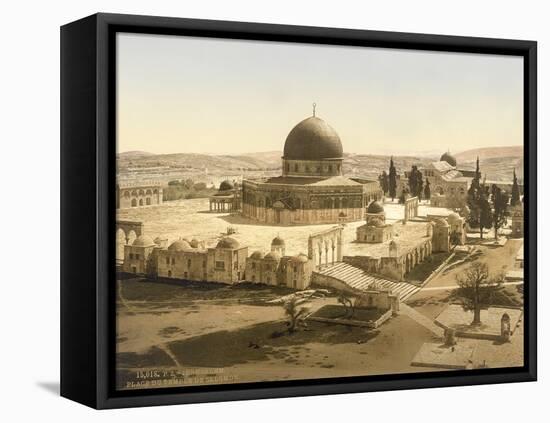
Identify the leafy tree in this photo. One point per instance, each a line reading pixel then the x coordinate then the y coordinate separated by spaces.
pixel 427 190
pixel 392 186
pixel 515 191
pixel 477 288
pixel 403 196
pixel 188 183
pixel 199 186
pixel 295 315
pixel 415 182
pixel 384 182
pixel 500 209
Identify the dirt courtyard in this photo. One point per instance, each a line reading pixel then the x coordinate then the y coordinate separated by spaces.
pixel 176 334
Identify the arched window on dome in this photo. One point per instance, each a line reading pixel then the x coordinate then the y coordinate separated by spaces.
pixel 295 168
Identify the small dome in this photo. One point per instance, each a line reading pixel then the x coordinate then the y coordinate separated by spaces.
pixel 375 207
pixel 440 222
pixel 228 242
pixel 226 185
pixel 278 241
pixel 194 243
pixel 272 256
pixel 376 223
pixel 257 255
pixel 143 241
pixel 158 240
pixel 313 139
pixel 300 258
pixel 179 245
pixel 447 157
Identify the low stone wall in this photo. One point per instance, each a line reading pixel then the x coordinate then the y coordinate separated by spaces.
pixel 371 324
pixel 325 281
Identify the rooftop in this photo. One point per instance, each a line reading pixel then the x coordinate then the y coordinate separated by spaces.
pixel 309 181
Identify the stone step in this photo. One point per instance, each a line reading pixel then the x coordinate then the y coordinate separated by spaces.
pixel 359 279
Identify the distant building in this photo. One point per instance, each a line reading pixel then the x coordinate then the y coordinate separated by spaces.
pixel 448 186
pixel 227 199
pixel 312 188
pixel 138 194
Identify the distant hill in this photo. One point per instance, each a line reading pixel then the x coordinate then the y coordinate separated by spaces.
pixel 251 161
pixel 134 154
pixel 497 163
pixel 489 153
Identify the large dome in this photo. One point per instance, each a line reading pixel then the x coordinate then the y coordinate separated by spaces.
pixel 313 139
pixel 449 158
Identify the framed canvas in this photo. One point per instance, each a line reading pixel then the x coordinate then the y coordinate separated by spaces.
pixel 257 211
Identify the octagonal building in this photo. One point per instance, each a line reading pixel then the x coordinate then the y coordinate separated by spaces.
pixel 312 188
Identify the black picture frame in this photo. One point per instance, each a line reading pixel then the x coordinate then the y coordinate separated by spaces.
pixel 88 206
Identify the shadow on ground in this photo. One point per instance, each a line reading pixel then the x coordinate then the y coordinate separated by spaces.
pixel 259 342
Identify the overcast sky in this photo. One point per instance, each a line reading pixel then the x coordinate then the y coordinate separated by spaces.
pixel 185 94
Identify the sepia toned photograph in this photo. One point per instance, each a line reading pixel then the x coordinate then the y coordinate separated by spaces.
pixel 289 211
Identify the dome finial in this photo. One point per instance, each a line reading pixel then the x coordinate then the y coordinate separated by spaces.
pixel 314 106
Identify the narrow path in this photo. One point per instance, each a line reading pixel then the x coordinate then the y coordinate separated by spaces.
pixel 121 297
pixel 169 353
pixel 421 319
pixel 438 288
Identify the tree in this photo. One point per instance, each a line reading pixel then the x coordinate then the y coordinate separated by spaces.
pixel 477 288
pixel 477 176
pixel 455 239
pixel 384 182
pixel 296 315
pixel 420 185
pixel 480 210
pixel 199 186
pixel 392 186
pixel 404 195
pixel 415 182
pixel 500 209
pixel 349 306
pixel 427 190
pixel 188 183
pixel 515 191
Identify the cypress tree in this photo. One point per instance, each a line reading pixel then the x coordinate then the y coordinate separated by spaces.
pixel 515 191
pixel 500 209
pixel 427 190
pixel 392 180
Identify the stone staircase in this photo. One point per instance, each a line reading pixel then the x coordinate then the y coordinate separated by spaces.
pixel 361 280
